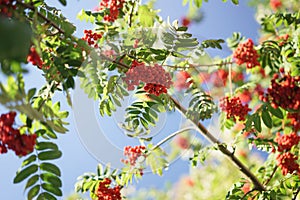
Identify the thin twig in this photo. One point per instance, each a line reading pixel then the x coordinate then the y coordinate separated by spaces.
pixel 171 136
pixel 273 173
pixel 230 79
pixel 114 61
pixel 199 65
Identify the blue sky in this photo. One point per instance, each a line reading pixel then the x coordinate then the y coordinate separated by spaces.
pixel 220 20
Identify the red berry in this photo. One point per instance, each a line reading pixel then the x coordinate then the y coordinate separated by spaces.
pixel 114 7
pixel 6 7
pixel 181 80
pixel 185 21
pixel 105 192
pixel 275 4
pixel 284 92
pixel 287 162
pixel 295 120
pixel 245 53
pixel 91 38
pixel 132 154
pixel 287 141
pixel 156 79
pixel 234 108
pixel 10 138
pixel 219 78
pixel 34 58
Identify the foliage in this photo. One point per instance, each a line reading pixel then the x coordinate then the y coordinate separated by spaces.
pixel 261 81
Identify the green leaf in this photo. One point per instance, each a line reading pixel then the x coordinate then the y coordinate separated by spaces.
pixel 14 46
pixel 53 190
pixel 146 16
pixel 156 160
pixel 31 181
pixel 23 174
pixel 46 195
pixel 99 170
pixel 29 160
pixel 49 167
pixel 33 192
pixel 198 3
pixel 63 2
pixel 236 2
pixel 257 122
pixel 276 112
pixel 51 179
pixel 248 124
pixel 49 155
pixel 31 93
pixel 266 118
pixel 46 145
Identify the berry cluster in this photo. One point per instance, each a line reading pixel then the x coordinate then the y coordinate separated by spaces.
pixel 133 153
pixel 287 162
pixel 10 138
pixel 234 108
pixel 287 141
pixel 181 80
pixel 155 89
pixel 91 38
pixel 5 6
pixel 295 120
pixel 285 92
pixel 114 7
pixel 285 159
pixel 34 58
pixel 275 4
pixel 106 193
pixel 157 80
pixel 245 53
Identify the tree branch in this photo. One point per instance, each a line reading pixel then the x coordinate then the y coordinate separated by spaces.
pixel 223 149
pixel 48 21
